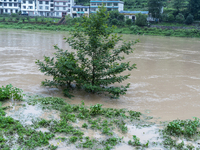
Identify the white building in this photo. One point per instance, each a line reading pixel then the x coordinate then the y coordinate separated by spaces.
pixel 63 7
pixel 28 7
pixel 78 11
pixel 111 5
pixel 43 7
pixel 10 6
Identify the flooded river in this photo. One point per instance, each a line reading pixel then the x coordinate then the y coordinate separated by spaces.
pixel 166 84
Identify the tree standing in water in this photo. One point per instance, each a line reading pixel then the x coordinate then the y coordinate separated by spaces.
pixel 96 64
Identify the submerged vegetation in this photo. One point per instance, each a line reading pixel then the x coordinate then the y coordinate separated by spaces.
pixel 77 120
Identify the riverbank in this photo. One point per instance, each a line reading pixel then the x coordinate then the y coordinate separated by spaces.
pixel 52 123
pixel 154 30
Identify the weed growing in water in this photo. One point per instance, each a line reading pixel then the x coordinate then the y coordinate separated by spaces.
pixel 84 125
pixel 9 92
pixel 187 128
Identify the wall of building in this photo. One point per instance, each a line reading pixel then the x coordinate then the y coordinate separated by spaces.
pixel 9 6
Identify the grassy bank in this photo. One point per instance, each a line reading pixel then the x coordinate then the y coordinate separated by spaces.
pixel 124 30
pixel 82 127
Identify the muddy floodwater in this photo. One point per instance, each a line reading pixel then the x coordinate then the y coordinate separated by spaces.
pixel 165 85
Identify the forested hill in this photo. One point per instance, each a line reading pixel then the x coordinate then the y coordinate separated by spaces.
pixel 171 7
pixel 137 4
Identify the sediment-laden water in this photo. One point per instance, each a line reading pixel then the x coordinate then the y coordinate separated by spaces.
pixel 166 84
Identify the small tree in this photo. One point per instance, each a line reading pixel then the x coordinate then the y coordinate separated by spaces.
pixel 128 22
pixel 141 19
pixel 114 22
pixel 171 18
pixel 189 19
pixel 97 62
pixel 180 18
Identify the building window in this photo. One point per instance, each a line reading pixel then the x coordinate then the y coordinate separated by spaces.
pixel 15 0
pixel 93 4
pixel 64 3
pixel 74 9
pixel 64 8
pixel 57 3
pixel 109 9
pixel 57 8
pixel 115 4
pixel 0 4
pixel 30 7
pixel 81 9
pixel 10 0
pixel 6 10
pixel 40 7
pixel 5 4
pixel 10 4
pixel 47 7
pixel 85 9
pixel 51 9
pixel 57 13
pixel 68 10
pixel 46 2
pixel 99 4
pixel 24 12
pixel 68 5
pixel 4 0
pixel 51 0
pixel 109 4
pixel 51 5
pixel 24 7
pixel 40 2
pixel 15 5
pixel 30 2
pixel 24 2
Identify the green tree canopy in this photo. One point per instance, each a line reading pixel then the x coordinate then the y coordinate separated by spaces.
pixel 141 19
pixel 97 63
pixel 155 7
pixel 194 8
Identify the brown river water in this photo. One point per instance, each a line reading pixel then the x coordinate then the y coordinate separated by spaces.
pixel 165 85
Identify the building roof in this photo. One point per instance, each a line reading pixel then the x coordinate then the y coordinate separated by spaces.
pixel 79 6
pixel 134 12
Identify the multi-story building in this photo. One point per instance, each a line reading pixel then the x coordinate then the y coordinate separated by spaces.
pixel 10 6
pixel 111 5
pixel 63 7
pixel 78 11
pixel 29 7
pixel 43 7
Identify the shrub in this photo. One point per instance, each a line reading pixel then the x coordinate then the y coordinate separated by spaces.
pixel 23 19
pixel 28 18
pixel 17 18
pixel 36 19
pixel 141 19
pixel 48 24
pixel 14 15
pixel 164 17
pixel 189 19
pixel 180 18
pixel 129 22
pixel 171 18
pixel 10 92
pixel 114 22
